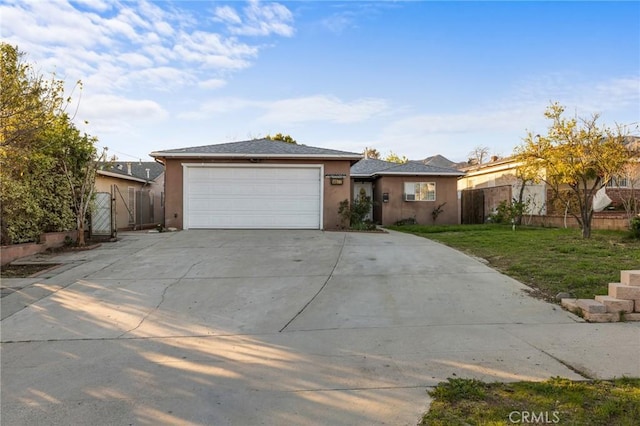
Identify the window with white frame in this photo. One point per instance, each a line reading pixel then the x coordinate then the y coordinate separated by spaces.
pixel 618 182
pixel 420 191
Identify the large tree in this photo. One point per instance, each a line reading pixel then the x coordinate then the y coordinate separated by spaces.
pixel 282 138
pixel 575 159
pixel 478 155
pixel 371 153
pixel 35 196
pixel 395 158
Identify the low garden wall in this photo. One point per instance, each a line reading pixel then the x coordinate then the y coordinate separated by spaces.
pixel 605 220
pixel 49 240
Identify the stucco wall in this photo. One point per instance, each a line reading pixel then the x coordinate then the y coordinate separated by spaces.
pixel 104 183
pixel 397 209
pixel 333 194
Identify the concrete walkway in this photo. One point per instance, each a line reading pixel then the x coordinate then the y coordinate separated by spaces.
pixel 278 327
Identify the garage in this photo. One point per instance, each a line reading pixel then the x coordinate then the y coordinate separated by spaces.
pixel 255 184
pixel 275 196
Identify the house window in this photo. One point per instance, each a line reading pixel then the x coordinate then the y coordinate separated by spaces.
pixel 420 191
pixel 618 182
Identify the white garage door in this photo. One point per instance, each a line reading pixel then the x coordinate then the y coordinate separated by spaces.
pixel 252 197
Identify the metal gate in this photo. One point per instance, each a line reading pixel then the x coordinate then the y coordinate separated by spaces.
pixel 103 216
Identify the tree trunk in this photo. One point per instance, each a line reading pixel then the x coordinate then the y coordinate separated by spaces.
pixel 521 210
pixel 586 224
pixel 81 240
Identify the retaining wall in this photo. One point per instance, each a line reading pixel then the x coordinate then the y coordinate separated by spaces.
pixel 49 240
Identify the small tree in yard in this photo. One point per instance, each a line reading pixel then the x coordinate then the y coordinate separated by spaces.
pixel 79 165
pixel 574 159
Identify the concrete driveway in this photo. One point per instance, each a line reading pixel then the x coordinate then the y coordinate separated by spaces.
pixel 278 327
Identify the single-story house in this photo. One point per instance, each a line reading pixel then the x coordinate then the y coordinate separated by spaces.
pixel 256 184
pixel 137 191
pixel 412 190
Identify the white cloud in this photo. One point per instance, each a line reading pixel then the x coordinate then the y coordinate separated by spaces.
pixel 160 78
pixel 338 22
pixel 219 106
pixel 108 114
pixel 135 60
pixel 322 108
pixel 257 19
pixel 213 83
pixel 318 108
pixel 227 14
pixel 111 106
pixel 98 5
pixel 133 45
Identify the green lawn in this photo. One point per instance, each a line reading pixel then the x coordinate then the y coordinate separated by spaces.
pixel 555 401
pixel 551 260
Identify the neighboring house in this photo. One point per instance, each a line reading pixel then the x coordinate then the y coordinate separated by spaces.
pixel 257 183
pixel 411 190
pixel 484 186
pixel 138 190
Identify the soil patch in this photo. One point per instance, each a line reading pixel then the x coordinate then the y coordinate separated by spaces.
pixel 25 270
pixel 90 246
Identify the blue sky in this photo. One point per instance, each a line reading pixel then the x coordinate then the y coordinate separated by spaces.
pixel 416 78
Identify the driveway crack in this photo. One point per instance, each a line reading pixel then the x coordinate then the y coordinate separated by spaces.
pixel 581 372
pixel 344 239
pixel 162 297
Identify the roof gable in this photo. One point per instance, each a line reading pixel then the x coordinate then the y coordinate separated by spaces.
pixel 256 147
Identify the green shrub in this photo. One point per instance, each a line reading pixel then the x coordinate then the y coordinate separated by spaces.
pixel 353 214
pixel 508 212
pixel 635 227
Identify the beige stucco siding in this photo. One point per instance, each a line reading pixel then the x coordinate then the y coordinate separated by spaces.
pixel 105 183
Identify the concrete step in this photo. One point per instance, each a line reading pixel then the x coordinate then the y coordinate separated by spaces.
pixel 583 306
pixel 591 306
pixel 608 317
pixel 622 291
pixel 570 305
pixel 615 305
pixel 630 277
pixel 632 317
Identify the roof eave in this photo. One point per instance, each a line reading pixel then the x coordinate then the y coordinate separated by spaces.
pixel 121 176
pixel 419 174
pixel 161 154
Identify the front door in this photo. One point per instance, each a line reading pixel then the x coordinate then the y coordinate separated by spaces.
pixel 368 191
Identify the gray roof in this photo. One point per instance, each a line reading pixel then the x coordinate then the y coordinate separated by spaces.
pixel 414 167
pixel 256 148
pixel 370 167
pixel 138 169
